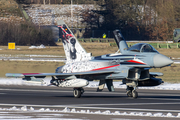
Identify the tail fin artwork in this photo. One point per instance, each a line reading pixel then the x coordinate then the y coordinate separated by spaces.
pixel 73 50
pixel 121 43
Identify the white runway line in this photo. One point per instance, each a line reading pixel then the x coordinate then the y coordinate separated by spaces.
pixel 34 90
pixel 127 104
pixel 31 59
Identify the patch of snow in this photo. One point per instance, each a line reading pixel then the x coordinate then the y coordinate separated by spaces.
pixel 175 58
pixel 164 86
pixel 13 108
pixel 32 47
pixel 42 46
pixel 24 108
pixel 92 84
pixel 66 109
pixel 148 114
pixel 170 115
pixel 28 55
pixel 31 109
pixel 73 110
pixel 42 109
pixel 107 112
pixel 38 47
pixel 158 114
pixel 178 115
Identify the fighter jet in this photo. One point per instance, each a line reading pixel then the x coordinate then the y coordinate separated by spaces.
pixel 131 66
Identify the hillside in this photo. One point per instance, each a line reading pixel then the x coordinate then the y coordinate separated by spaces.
pixel 44 15
pixel 9 11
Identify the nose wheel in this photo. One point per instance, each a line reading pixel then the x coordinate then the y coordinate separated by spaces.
pixel 131 92
pixel 78 92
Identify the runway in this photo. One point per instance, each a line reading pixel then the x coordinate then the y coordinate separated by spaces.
pixel 163 101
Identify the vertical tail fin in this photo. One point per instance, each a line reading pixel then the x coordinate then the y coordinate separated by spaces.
pixel 72 48
pixel 121 43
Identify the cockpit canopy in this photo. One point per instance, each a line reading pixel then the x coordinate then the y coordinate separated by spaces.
pixel 142 47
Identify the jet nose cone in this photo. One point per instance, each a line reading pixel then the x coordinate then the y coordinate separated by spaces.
pixel 161 60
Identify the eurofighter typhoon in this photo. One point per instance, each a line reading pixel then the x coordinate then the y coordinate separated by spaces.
pixel 131 66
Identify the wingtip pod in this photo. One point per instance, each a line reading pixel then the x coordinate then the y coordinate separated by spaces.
pixel 15 75
pixel 121 43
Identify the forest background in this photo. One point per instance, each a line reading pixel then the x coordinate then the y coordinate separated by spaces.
pixel 137 19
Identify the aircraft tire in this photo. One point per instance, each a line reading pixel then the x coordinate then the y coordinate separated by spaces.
pixel 134 94
pixel 77 93
pixel 129 93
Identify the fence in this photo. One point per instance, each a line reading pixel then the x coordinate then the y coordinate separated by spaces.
pixel 102 40
pixel 155 45
pixel 111 41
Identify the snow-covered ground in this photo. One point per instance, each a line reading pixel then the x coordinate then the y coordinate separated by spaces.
pixel 50 14
pixel 30 113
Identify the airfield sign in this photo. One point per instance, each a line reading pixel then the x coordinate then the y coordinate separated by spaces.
pixel 11 45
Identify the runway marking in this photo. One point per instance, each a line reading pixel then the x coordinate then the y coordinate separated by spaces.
pixel 95 108
pixel 33 90
pixel 109 93
pixel 160 99
pixel 175 94
pixel 127 104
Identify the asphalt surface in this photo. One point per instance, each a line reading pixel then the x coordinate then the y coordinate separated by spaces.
pixel 154 101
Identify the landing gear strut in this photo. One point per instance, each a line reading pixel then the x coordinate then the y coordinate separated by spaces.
pixel 134 94
pixel 78 92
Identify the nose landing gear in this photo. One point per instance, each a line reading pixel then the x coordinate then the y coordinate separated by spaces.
pixel 131 89
pixel 131 92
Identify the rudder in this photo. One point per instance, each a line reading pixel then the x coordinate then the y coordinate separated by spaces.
pixel 73 50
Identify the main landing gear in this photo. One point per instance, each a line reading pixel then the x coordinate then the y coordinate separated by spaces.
pixel 131 92
pixel 78 92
